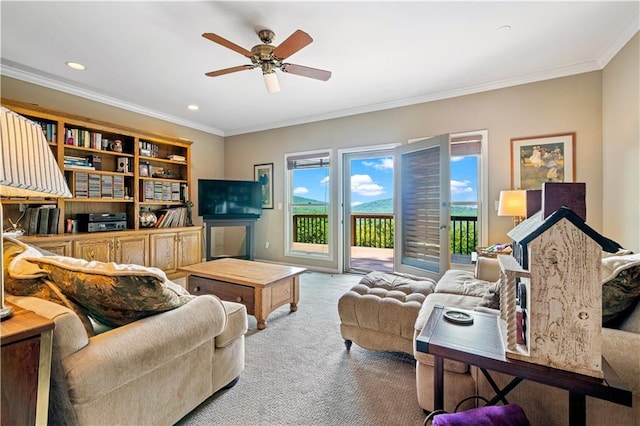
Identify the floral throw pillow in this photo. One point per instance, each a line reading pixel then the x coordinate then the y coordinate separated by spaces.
pixel 620 294
pixel 114 294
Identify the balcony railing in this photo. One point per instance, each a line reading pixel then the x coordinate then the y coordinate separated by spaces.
pixel 377 230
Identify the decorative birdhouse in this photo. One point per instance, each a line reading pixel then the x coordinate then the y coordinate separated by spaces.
pixel 550 293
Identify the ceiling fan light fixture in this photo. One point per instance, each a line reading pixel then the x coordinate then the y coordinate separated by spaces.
pixel 271 81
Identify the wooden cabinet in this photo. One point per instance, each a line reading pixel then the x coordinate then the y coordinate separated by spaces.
pixel 100 249
pixel 170 251
pixel 167 249
pixel 60 248
pixel 132 249
pixel 164 251
pixel 189 247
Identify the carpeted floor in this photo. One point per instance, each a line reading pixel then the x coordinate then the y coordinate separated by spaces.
pixel 298 372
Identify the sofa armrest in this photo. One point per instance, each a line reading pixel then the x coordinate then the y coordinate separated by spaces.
pixel 621 349
pixel 118 356
pixel 69 332
pixel 487 269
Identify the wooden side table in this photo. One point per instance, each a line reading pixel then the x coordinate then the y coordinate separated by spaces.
pixel 480 344
pixel 26 340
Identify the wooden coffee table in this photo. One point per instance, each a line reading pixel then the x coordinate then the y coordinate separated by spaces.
pixel 261 287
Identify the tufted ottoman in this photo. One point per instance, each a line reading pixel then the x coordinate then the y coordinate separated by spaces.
pixel 379 313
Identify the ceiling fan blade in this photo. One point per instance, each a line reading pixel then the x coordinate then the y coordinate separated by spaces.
pixel 226 43
pixel 307 71
pixel 229 70
pixel 291 45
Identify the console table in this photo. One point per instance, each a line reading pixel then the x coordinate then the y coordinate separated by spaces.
pixel 480 344
pixel 26 340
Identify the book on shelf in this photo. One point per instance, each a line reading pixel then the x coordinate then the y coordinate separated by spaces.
pixel 31 221
pixel 176 157
pixel 43 220
pixel 77 167
pixel 39 220
pixel 54 216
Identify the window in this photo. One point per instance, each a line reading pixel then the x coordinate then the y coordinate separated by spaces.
pixel 308 218
pixel 465 196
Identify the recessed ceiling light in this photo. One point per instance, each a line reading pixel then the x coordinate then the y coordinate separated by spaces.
pixel 504 28
pixel 75 66
pixel 193 107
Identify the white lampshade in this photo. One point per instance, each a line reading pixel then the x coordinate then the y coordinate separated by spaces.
pixel 513 203
pixel 271 80
pixel 28 168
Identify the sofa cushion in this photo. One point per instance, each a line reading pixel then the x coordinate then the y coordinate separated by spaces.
pixel 456 281
pixel 114 294
pixel 403 287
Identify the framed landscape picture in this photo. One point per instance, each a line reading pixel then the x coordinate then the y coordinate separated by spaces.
pixel 541 159
pixel 263 173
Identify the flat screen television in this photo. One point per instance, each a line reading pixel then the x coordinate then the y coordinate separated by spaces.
pixel 229 199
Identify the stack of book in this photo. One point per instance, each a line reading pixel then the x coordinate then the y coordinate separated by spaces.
pixel 41 220
pixel 71 162
pixel 83 138
pixel 171 218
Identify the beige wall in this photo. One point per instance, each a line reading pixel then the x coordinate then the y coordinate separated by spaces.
pixel 621 150
pixel 207 150
pixel 570 104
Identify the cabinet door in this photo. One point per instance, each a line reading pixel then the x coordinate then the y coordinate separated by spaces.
pixel 163 251
pixel 100 249
pixel 60 248
pixel 132 249
pixel 190 247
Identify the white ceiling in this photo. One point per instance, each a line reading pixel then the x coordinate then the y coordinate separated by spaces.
pixel 150 57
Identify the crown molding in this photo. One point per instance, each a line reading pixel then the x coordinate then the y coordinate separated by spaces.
pixel 10 70
pixel 549 74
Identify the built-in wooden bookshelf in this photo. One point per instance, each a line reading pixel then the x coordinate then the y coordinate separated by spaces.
pixel 107 168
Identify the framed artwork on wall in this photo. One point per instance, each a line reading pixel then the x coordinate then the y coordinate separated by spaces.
pixel 539 159
pixel 263 173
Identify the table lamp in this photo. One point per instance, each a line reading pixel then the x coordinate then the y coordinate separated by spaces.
pixel 513 203
pixel 28 168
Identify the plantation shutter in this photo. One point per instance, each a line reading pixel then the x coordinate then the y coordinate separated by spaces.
pixel 308 161
pixel 424 207
pixel 465 145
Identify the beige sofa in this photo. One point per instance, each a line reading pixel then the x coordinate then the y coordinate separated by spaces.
pixel 543 405
pixel 149 372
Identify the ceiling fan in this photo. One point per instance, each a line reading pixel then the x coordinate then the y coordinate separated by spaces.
pixel 269 57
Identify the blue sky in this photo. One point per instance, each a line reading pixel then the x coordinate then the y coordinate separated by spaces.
pixel 372 179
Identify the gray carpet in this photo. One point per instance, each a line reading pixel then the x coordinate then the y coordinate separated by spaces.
pixel 298 372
